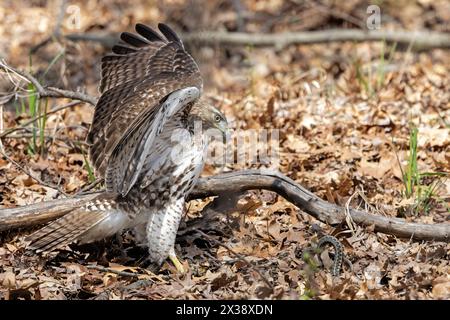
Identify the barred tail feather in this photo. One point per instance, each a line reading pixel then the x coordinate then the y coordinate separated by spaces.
pixel 65 230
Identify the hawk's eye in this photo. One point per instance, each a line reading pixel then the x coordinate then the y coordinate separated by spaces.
pixel 217 118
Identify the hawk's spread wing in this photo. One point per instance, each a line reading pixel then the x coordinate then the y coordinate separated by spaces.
pixel 131 58
pixel 142 71
pixel 129 155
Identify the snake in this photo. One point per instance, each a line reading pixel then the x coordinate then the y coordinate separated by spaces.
pixel 338 255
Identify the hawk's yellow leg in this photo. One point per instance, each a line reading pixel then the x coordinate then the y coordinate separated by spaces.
pixel 178 265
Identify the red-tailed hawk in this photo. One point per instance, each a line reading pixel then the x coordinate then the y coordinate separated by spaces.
pixel 150 90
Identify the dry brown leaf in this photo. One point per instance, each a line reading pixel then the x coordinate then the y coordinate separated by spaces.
pixel 441 288
pixel 9 280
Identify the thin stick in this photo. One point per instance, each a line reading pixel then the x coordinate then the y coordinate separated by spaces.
pixel 23 125
pixel 47 137
pixel 59 93
pixel 48 91
pixel 149 274
pixel 91 186
pixel 120 273
pixel 31 175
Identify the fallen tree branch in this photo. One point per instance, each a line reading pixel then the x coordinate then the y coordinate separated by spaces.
pixel 418 39
pixel 39 213
pixel 241 181
pixel 310 203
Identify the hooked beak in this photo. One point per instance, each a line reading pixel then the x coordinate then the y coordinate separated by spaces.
pixel 226 135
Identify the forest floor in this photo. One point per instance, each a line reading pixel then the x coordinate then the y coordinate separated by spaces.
pixel 346 115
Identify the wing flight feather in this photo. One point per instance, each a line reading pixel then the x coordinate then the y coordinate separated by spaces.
pixel 128 158
pixel 142 70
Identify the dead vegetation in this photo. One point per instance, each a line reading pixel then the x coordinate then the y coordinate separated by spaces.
pixel 347 113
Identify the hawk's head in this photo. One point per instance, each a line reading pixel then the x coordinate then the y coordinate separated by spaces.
pixel 211 118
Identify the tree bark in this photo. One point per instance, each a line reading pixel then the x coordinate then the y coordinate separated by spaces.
pixel 39 213
pixel 241 181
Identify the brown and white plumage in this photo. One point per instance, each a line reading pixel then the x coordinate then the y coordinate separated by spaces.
pixel 133 81
pixel 80 224
pixel 151 90
pixel 130 153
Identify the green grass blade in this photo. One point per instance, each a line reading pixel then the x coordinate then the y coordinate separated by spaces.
pixel 32 108
pixel 54 60
pixel 42 124
pixel 411 174
pixel 88 167
pixel 381 68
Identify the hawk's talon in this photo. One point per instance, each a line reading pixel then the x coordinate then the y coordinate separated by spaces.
pixel 178 265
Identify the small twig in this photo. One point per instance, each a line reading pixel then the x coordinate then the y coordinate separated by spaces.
pixel 238 256
pixel 23 125
pixel 348 217
pixel 149 275
pixel 49 91
pixel 120 273
pixel 89 187
pixel 75 95
pixel 47 137
pixel 31 175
